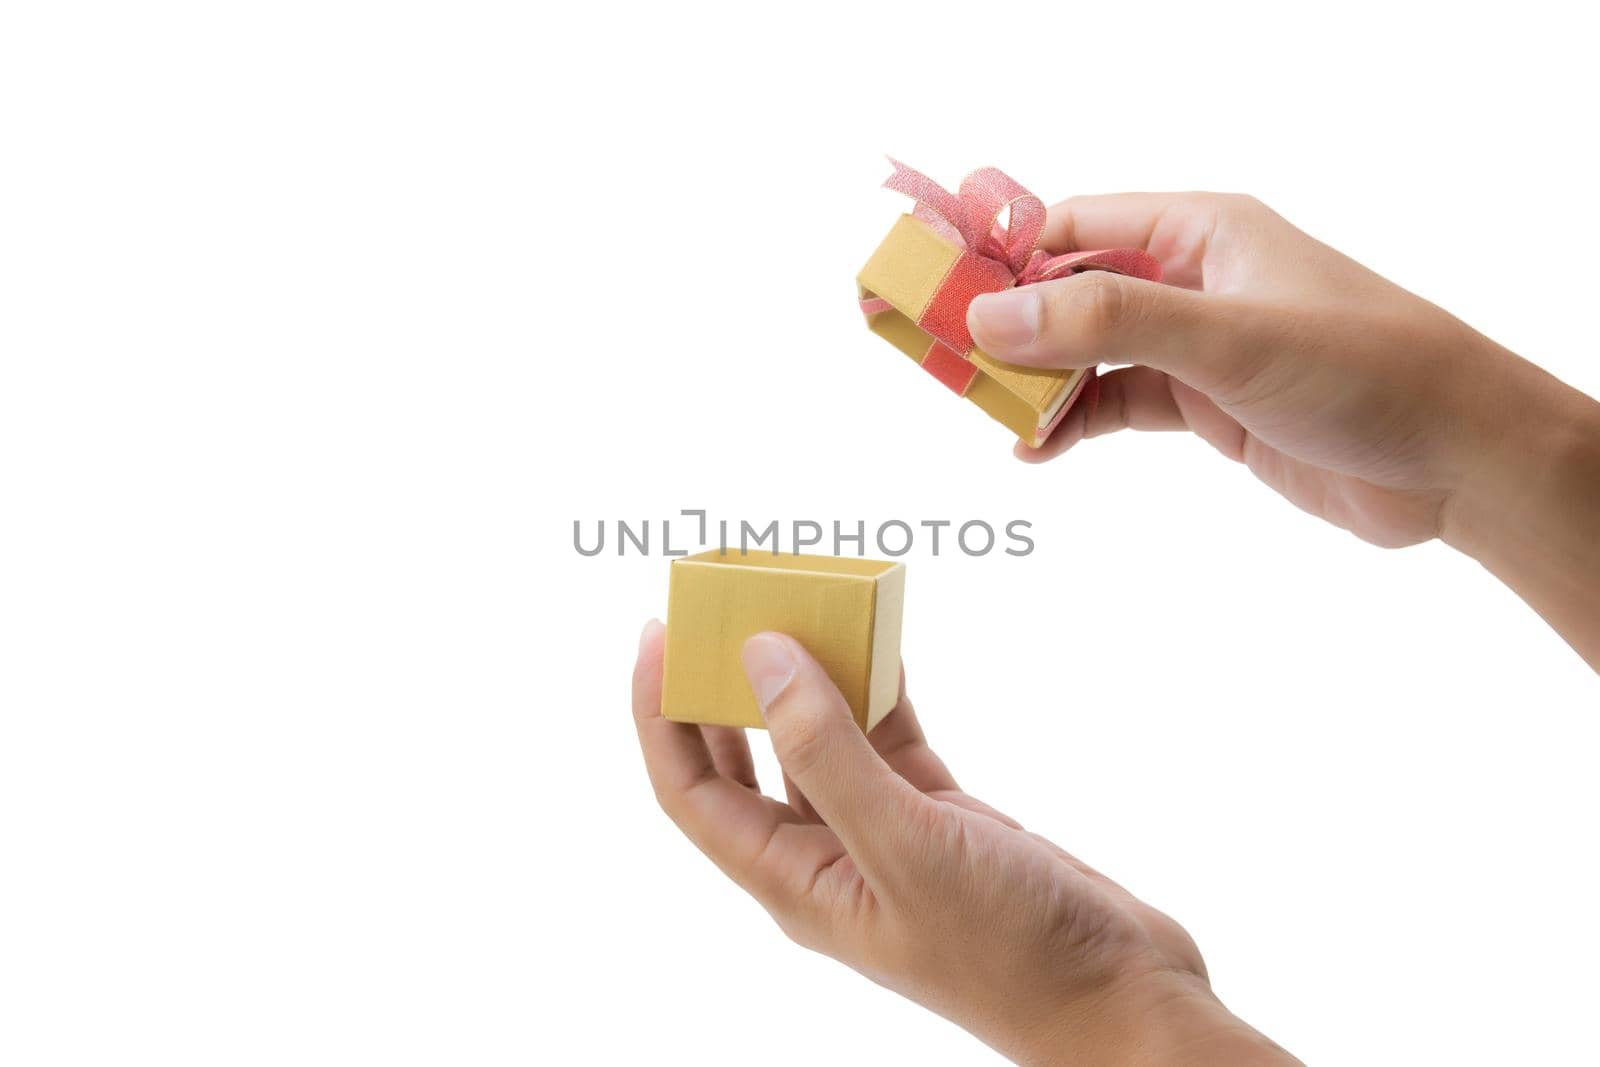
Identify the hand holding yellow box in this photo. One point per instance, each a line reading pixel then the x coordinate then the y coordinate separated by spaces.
pixel 845 611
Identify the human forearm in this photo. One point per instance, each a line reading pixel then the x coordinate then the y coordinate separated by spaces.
pixel 1529 508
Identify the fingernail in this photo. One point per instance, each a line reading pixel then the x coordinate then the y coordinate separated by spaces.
pixel 649 628
pixel 770 667
pixel 1006 320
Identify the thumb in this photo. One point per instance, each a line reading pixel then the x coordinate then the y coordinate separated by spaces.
pixel 827 756
pixel 1204 340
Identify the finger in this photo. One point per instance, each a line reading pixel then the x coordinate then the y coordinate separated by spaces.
pixel 1111 220
pixel 1131 398
pixel 730 752
pixel 831 761
pixel 1176 228
pixel 675 754
pixel 1213 343
pixel 758 842
pixel 899 740
pixel 798 801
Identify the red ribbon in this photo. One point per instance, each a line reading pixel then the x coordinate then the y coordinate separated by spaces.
pixel 971 219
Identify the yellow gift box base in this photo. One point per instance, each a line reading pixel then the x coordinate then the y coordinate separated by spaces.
pixel 845 611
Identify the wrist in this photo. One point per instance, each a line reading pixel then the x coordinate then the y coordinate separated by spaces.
pixel 1528 507
pixel 1160 1018
pixel 1543 453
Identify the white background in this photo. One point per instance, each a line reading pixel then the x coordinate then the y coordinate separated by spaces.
pixel 321 323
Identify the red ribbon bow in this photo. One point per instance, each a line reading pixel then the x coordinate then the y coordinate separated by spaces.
pixel 971 219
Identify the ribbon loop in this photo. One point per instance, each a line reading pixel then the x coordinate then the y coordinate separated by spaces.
pixel 972 220
pixel 987 194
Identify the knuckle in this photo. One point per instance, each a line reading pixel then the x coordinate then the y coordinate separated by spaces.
pixel 1240 204
pixel 1098 306
pixel 670 804
pixel 801 740
pixel 1208 205
pixel 669 799
pixel 802 934
pixel 1197 202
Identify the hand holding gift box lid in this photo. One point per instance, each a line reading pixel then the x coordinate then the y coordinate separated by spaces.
pixel 845 611
pixel 916 287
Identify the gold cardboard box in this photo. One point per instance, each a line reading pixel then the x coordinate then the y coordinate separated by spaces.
pixel 845 611
pixel 907 270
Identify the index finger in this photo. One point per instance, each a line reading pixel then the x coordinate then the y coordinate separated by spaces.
pixel 1176 228
pixel 900 740
pixel 1108 220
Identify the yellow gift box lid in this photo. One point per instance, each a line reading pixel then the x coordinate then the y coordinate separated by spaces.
pixel 906 270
